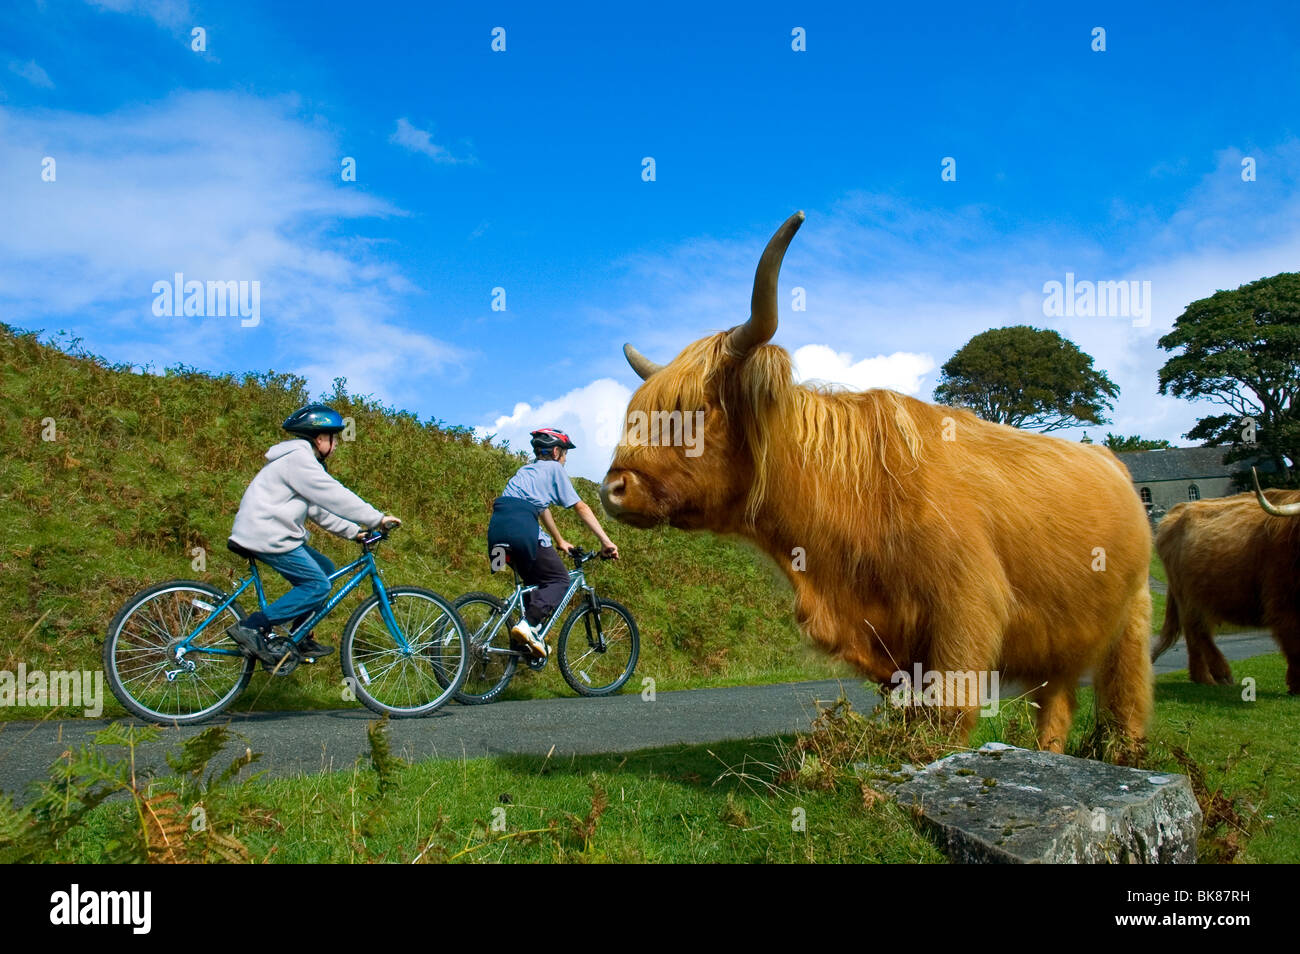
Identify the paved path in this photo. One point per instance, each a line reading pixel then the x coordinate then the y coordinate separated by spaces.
pixel 300 742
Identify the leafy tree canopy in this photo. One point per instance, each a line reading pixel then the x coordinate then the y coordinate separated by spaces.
pixel 1026 377
pixel 1117 443
pixel 1241 350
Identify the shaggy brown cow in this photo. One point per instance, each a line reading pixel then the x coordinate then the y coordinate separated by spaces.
pixel 911 533
pixel 1232 560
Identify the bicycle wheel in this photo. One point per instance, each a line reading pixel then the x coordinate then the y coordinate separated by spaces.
pixel 489 672
pixel 410 682
pixel 589 669
pixel 138 654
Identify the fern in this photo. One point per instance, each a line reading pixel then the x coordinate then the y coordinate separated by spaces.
pixel 158 829
pixel 385 763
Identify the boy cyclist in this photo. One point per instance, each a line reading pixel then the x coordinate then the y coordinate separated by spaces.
pixel 292 487
pixel 514 524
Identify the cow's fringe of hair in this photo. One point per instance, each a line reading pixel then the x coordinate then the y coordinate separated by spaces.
pixel 780 417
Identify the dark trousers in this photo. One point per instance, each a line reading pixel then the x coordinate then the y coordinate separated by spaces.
pixel 548 574
pixel 514 524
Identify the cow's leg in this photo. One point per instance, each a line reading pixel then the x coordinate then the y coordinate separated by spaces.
pixel 1123 682
pixel 1288 637
pixel 1220 669
pixel 1055 714
pixel 1205 663
pixel 960 658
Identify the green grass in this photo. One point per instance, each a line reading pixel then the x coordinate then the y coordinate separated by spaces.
pixel 145 468
pixel 724 803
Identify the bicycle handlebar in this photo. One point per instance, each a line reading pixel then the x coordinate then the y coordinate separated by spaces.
pixel 581 556
pixel 379 533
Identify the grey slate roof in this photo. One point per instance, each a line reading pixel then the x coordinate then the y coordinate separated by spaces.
pixel 1177 463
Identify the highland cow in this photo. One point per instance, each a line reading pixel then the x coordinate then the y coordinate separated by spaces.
pixel 1232 560
pixel 911 533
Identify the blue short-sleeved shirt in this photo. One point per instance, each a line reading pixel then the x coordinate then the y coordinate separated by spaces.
pixel 542 483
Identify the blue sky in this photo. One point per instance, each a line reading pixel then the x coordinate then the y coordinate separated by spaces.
pixel 522 170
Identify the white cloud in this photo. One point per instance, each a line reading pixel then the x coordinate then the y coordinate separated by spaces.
pixel 901 371
pixel 218 186
pixel 418 140
pixel 32 72
pixel 592 416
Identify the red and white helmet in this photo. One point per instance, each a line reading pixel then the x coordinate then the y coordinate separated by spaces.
pixel 545 438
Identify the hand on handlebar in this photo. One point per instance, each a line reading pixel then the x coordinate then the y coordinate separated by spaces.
pixel 609 552
pixel 386 523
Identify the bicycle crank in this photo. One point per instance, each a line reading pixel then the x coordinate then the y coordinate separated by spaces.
pixel 286 652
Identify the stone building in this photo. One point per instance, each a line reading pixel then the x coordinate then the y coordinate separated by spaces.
pixel 1167 477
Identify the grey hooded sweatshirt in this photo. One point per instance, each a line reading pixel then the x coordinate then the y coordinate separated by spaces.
pixel 291 488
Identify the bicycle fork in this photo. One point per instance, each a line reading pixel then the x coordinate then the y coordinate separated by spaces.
pixel 596 641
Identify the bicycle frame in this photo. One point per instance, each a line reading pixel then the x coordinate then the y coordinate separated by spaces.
pixel 365 567
pixel 577 581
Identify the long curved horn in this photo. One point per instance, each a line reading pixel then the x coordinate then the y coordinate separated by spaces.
pixel 640 363
pixel 1286 510
pixel 762 305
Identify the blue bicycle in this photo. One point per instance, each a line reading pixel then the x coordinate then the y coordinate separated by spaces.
pixel 168 658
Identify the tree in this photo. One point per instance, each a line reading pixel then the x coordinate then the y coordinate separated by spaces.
pixel 1241 350
pixel 1026 377
pixel 1119 444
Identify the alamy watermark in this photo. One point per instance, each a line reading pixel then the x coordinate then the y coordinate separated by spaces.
pixel 954 689
pixel 181 298
pixel 666 429
pixel 73 688
pixel 1088 299
pixel 129 908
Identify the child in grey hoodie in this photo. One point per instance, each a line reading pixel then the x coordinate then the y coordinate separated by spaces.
pixel 292 488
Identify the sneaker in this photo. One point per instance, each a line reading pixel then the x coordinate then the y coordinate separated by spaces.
pixel 524 633
pixel 251 642
pixel 309 647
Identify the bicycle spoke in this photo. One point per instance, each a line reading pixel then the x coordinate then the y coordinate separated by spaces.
pixel 405 680
pixel 587 668
pixel 138 656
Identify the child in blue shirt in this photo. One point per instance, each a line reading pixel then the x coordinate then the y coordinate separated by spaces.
pixel 514 524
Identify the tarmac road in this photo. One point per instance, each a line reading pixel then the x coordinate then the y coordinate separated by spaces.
pixel 305 742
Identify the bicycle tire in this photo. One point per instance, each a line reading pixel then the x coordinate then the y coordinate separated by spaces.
pixel 587 671
pixel 436 666
pixel 484 681
pixel 150 621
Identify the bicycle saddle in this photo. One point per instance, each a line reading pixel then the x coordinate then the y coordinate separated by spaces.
pixel 237 550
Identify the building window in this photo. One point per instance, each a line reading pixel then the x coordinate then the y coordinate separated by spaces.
pixel 1145 494
pixel 1193 492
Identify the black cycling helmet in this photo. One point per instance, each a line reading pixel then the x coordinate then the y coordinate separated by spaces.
pixel 547 437
pixel 312 420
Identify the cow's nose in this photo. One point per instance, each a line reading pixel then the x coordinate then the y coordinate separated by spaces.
pixel 611 493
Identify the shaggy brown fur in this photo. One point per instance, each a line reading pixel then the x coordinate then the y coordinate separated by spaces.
pixel 1230 562
pixel 930 535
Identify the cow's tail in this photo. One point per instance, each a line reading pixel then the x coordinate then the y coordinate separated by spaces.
pixel 1168 632
pixel 1123 680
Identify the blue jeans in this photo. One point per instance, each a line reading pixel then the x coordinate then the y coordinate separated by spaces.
pixel 308 571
